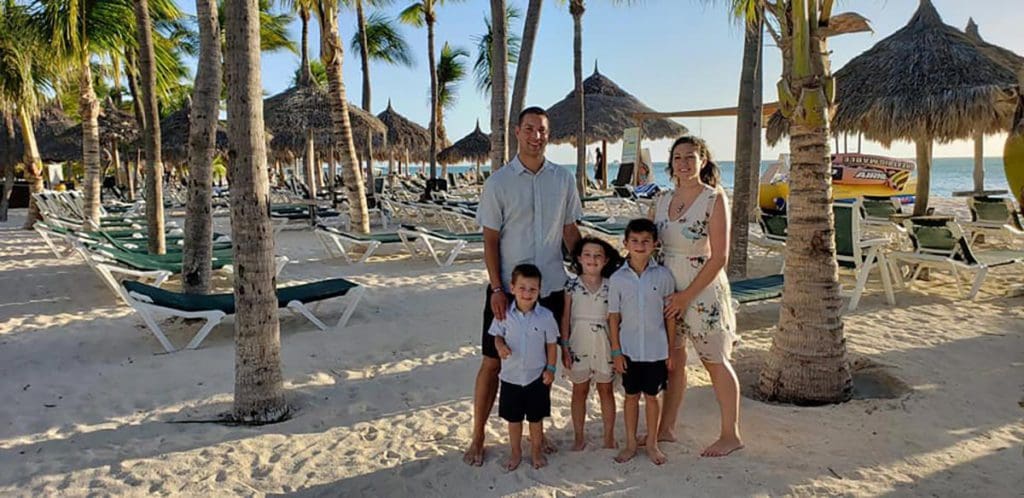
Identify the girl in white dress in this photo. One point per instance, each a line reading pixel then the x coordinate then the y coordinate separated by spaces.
pixel 693 225
pixel 586 347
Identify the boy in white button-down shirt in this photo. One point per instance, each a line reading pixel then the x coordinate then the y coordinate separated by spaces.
pixel 640 334
pixel 525 341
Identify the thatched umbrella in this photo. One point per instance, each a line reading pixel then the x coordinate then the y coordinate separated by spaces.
pixel 475 147
pixel 48 126
pixel 1006 58
pixel 174 131
pixel 608 111
pixel 289 114
pixel 405 139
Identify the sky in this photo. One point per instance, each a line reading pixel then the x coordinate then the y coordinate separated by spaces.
pixel 673 55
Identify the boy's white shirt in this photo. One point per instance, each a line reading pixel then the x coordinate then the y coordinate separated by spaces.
pixel 640 300
pixel 527 336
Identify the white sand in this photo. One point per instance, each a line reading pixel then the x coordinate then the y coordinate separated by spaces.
pixel 384 407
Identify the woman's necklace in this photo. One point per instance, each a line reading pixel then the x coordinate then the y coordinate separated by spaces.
pixel 681 206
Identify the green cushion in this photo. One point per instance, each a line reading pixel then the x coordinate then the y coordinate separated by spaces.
pixel 304 293
pixel 844 229
pixel 757 289
pixel 468 237
pixel 165 262
pixel 879 208
pixel 776 224
pixel 990 210
pixel 934 237
pixel 382 237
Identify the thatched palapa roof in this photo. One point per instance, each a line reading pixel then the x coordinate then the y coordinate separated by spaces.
pixel 926 81
pixel 50 124
pixel 289 114
pixel 174 134
pixel 403 136
pixel 608 110
pixel 1001 55
pixel 475 148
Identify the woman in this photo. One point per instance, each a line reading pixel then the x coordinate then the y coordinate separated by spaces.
pixel 693 225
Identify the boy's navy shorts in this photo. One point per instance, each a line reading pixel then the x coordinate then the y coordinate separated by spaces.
pixel 532 401
pixel 648 377
pixel 554 302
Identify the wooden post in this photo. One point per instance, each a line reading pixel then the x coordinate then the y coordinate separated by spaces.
pixel 604 167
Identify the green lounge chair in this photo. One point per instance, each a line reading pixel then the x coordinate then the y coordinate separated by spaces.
pixel 773 231
pixel 862 255
pixel 995 218
pixel 752 290
pixel 944 246
pixel 339 243
pixel 149 301
pixel 442 245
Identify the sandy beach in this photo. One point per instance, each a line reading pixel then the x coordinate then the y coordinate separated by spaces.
pixel 383 407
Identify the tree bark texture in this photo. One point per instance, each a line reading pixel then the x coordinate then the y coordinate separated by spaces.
pixel 259 394
pixel 806 363
pixel 332 52
pixel 151 133
pixel 434 104
pixel 979 162
pixel 9 161
pixel 576 9
pixel 499 84
pixel 530 25
pixel 33 165
pixel 89 109
pixel 197 253
pixel 305 73
pixel 364 58
pixel 745 121
pixel 309 165
pixel 923 154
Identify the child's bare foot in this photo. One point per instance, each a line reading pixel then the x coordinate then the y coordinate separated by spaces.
pixel 579 444
pixel 610 442
pixel 626 454
pixel 549 446
pixel 655 454
pixel 474 456
pixel 513 461
pixel 539 460
pixel 667 436
pixel 722 447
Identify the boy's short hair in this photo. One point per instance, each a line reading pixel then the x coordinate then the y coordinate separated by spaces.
pixel 641 225
pixel 526 270
pixel 539 111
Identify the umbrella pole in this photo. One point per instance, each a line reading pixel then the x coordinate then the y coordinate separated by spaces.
pixel 604 165
pixel 639 161
pixel 979 162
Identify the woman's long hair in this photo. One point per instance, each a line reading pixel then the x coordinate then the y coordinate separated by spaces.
pixel 709 173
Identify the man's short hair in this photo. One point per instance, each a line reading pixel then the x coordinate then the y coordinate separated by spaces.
pixel 642 225
pixel 531 110
pixel 526 270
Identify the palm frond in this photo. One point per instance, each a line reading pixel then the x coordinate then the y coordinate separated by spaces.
pixel 450 71
pixel 414 15
pixel 482 66
pixel 384 41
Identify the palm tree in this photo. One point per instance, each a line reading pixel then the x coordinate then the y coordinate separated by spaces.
pixel 22 76
pixel 315 70
pixel 576 8
pixel 259 392
pixel 451 70
pixel 332 51
pixel 807 360
pixel 197 253
pixel 524 60
pixel 495 51
pixel 151 130
pixel 482 65
pixel 418 14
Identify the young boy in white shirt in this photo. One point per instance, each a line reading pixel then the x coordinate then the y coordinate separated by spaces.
pixel 525 341
pixel 641 335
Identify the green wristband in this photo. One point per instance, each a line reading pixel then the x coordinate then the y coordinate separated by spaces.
pixel 616 352
pixel 550 367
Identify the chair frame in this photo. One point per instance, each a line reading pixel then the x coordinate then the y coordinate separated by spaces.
pixel 444 249
pixel 874 257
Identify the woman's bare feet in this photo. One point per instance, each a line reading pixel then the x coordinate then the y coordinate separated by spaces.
pixel 610 442
pixel 474 456
pixel 626 454
pixel 539 460
pixel 513 460
pixel 655 454
pixel 663 437
pixel 579 444
pixel 724 446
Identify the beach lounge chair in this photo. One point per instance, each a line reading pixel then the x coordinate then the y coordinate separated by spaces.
pixel 862 255
pixel 995 218
pixel 149 301
pixel 944 246
pixel 757 289
pixel 339 243
pixel 773 227
pixel 442 245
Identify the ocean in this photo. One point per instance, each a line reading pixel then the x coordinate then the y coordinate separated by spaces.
pixel 949 174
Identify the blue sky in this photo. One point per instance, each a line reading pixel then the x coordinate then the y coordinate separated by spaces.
pixel 671 54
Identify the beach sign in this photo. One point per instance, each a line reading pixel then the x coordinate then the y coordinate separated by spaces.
pixel 887 175
pixel 630 139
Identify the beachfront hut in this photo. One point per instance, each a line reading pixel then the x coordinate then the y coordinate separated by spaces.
pixel 405 140
pixel 608 111
pixel 118 128
pixel 50 124
pixel 927 81
pixel 475 147
pixel 174 134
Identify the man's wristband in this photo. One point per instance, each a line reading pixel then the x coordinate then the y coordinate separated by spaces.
pixel 560 341
pixel 551 368
pixel 497 289
pixel 616 352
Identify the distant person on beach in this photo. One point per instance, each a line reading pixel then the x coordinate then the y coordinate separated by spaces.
pixel 642 334
pixel 694 218
pixel 525 340
pixel 586 345
pixel 528 211
pixel 598 166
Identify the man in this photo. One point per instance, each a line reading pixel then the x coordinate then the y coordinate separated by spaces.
pixel 528 210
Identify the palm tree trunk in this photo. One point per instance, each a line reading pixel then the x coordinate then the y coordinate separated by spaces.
pixel 9 160
pixel 33 165
pixel 745 126
pixel 576 9
pixel 806 363
pixel 923 149
pixel 151 133
pixel 89 109
pixel 309 165
pixel 499 84
pixel 332 52
pixel 434 104
pixel 758 120
pixel 530 26
pixel 979 162
pixel 259 392
pixel 364 58
pixel 197 253
pixel 305 73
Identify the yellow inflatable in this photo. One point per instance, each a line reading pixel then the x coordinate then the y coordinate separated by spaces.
pixel 1013 156
pixel 853 175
